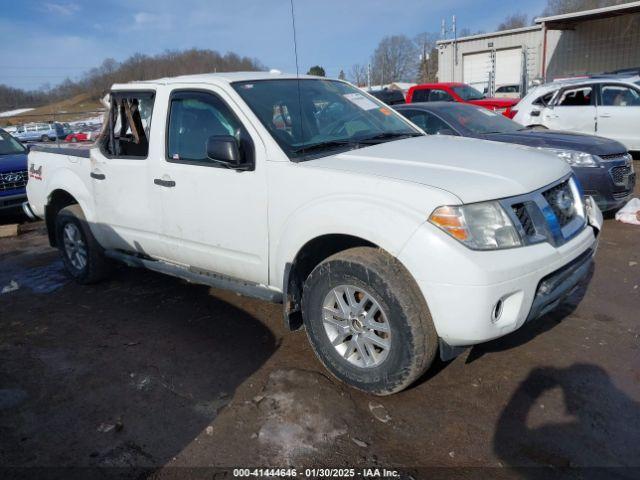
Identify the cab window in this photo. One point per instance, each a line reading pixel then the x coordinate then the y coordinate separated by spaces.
pixel 194 117
pixel 420 95
pixel 129 125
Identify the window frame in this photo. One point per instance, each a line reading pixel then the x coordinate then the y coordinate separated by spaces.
pixel 107 137
pixel 198 163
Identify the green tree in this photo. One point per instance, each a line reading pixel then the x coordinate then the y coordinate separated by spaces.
pixel 317 70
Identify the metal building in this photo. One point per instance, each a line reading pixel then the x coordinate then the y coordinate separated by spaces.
pixel 591 41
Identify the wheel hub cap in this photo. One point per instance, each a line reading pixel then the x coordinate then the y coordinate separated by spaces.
pixel 74 246
pixel 356 326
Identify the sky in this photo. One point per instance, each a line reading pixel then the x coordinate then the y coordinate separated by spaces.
pixel 47 41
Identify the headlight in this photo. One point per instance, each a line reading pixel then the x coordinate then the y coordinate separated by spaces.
pixel 574 158
pixel 480 226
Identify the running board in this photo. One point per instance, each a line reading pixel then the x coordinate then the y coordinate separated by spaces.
pixel 195 275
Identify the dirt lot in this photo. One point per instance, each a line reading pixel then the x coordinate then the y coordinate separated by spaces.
pixel 148 371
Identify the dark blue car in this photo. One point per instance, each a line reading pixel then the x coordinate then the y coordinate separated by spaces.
pixel 603 166
pixel 13 172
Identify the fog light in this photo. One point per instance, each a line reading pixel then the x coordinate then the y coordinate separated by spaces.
pixel 497 311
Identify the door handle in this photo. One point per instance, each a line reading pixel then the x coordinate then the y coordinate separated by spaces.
pixel 605 115
pixel 97 176
pixel 164 183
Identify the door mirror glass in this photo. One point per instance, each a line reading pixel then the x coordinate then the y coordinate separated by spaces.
pixel 224 149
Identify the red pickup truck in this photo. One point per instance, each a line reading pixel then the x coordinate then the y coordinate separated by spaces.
pixel 459 92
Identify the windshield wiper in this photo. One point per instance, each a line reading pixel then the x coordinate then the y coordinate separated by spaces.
pixel 314 147
pixel 388 136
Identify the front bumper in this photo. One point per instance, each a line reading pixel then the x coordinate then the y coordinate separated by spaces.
pixel 601 184
pixel 12 201
pixel 476 296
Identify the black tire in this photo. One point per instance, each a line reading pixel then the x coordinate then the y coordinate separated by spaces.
pixel 413 338
pixel 74 139
pixel 44 138
pixel 97 266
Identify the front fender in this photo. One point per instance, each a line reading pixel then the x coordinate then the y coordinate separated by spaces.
pixel 387 224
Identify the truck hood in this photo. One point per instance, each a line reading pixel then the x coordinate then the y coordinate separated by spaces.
pixel 561 140
pixel 472 170
pixel 13 162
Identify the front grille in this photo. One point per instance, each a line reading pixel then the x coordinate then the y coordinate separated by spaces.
pixel 523 216
pixel 621 195
pixel 620 174
pixel 12 180
pixel 614 156
pixel 560 199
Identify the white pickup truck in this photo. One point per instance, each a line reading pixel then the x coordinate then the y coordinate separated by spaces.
pixel 387 245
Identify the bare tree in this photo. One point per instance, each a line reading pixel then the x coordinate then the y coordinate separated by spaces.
pixel 358 75
pixel 515 20
pixel 428 66
pixel 395 59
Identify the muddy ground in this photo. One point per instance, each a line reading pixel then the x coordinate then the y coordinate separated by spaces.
pixel 149 371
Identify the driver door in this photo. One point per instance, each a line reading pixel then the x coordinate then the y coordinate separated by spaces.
pixel 574 110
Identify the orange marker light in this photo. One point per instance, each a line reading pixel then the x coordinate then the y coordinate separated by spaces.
pixel 451 221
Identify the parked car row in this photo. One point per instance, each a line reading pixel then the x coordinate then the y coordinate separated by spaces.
pixel 41 132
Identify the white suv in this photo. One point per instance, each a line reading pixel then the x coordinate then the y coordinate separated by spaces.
pixel 608 106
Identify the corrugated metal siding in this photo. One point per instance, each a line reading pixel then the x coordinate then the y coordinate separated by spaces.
pixel 530 40
pixel 595 46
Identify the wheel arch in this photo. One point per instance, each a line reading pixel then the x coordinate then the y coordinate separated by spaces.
pixel 311 254
pixel 57 200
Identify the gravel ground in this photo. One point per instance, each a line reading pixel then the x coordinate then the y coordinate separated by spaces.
pixel 148 371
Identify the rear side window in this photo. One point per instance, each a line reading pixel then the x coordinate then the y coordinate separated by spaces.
pixel 576 97
pixel 129 125
pixel 544 100
pixel 426 121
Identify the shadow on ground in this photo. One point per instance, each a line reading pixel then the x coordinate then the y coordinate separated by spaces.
pixel 591 403
pixel 125 373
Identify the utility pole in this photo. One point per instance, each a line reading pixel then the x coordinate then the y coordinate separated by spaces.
pixel 369 76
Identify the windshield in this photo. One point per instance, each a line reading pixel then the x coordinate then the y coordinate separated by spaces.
pixel 480 121
pixel 467 93
pixel 322 117
pixel 9 145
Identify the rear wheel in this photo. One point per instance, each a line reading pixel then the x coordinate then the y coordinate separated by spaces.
pixel 44 138
pixel 367 321
pixel 83 257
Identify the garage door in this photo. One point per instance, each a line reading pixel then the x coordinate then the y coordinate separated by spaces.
pixel 476 68
pixel 508 66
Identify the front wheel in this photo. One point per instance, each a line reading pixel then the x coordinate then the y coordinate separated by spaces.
pixel 368 322
pixel 83 257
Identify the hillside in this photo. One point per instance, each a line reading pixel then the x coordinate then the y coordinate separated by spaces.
pixel 75 108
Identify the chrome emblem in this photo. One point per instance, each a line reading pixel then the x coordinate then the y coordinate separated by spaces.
pixel 12 177
pixel 564 202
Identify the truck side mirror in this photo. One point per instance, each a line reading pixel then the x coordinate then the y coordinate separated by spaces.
pixel 224 149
